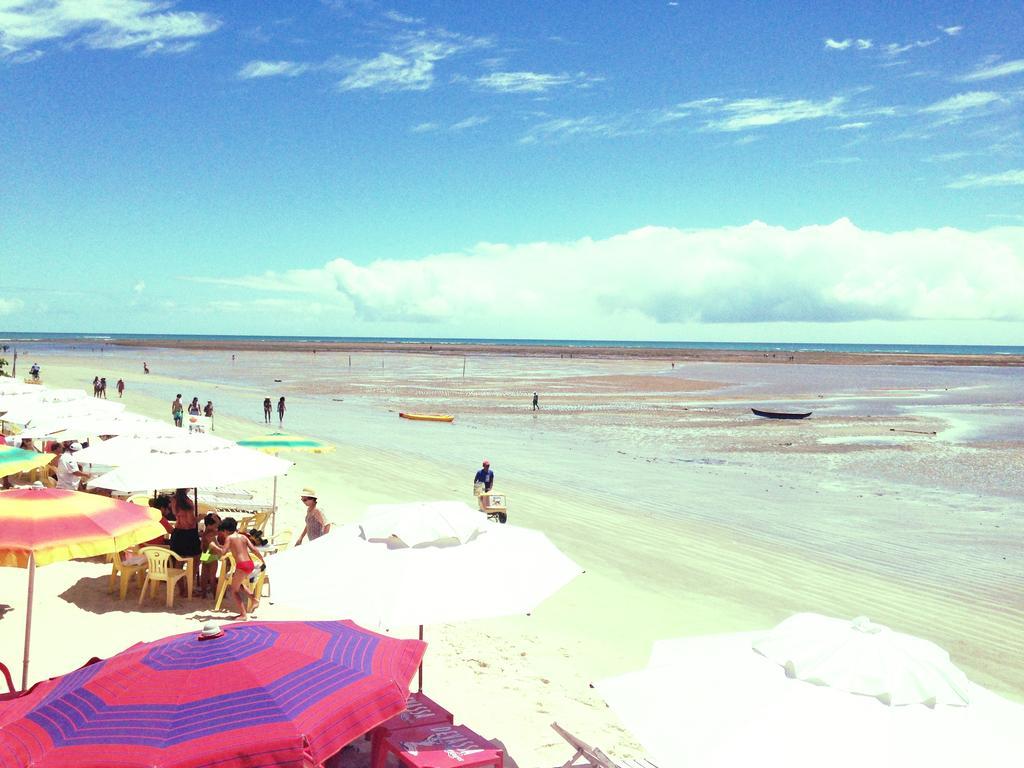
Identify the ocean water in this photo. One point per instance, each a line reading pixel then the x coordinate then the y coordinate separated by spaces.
pixel 57 341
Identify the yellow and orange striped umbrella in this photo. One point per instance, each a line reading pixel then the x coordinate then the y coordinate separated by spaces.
pixel 53 525
pixel 45 525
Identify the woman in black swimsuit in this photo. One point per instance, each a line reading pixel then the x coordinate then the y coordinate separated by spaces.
pixel 185 536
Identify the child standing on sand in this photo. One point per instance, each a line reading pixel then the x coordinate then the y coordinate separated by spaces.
pixel 209 560
pixel 239 545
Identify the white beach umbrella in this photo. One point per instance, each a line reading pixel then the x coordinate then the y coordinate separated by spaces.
pixel 38 395
pixel 192 469
pixel 716 702
pixel 129 447
pixel 862 657
pixel 11 386
pixel 81 427
pixel 503 571
pixel 422 523
pixel 43 411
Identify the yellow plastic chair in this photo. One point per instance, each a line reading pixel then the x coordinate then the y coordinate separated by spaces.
pixel 158 569
pixel 227 572
pixel 245 522
pixel 259 521
pixel 124 572
pixel 281 540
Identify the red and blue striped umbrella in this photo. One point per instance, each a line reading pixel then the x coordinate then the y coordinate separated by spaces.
pixel 262 694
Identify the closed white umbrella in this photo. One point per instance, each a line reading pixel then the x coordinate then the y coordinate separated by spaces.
pixel 192 469
pixel 422 523
pixel 715 701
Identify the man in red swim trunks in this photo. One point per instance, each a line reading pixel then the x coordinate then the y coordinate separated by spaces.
pixel 239 545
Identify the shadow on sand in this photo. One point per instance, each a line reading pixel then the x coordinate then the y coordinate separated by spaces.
pixel 92 593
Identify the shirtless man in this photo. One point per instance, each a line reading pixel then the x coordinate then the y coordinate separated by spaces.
pixel 177 410
pixel 239 545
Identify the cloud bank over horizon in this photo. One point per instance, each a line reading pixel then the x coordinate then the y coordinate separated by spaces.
pixel 645 282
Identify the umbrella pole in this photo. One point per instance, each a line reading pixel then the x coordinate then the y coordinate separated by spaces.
pixel 420 690
pixel 28 618
pixel 273 510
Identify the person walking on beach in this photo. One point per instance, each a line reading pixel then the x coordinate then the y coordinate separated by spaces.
pixel 103 387
pixel 316 524
pixel 280 412
pixel 177 410
pixel 145 368
pixel 120 387
pixel 536 407
pixel 208 409
pixel 96 386
pixel 483 480
pixel 193 407
pixel 267 409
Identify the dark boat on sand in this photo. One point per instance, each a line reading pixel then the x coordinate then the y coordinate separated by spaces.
pixel 780 414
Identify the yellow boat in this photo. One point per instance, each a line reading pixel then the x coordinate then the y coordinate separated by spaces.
pixel 427 416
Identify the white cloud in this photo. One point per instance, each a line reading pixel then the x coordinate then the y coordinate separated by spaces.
pixel 894 50
pixel 857 126
pixel 953 31
pixel 1013 178
pixel 654 278
pixel 10 306
pixel 139 287
pixel 744 114
pixel 532 82
pixel 964 102
pixel 425 127
pixel 409 66
pixel 569 127
pixel 862 44
pixel 160 47
pixel 989 71
pixel 256 69
pixel 105 24
pixel 402 18
pixel 470 122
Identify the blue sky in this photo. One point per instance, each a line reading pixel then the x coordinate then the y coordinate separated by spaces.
pixel 662 170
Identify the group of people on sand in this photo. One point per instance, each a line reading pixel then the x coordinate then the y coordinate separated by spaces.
pixel 194 409
pixel 268 410
pixel 205 541
pixel 99 387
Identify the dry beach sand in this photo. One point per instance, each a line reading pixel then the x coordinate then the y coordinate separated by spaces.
pixel 899 499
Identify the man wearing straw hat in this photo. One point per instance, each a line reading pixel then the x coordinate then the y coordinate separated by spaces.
pixel 316 524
